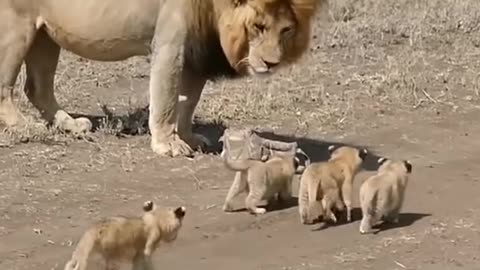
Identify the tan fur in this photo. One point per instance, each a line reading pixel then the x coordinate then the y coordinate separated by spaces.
pixel 263 179
pixel 189 41
pixel 327 185
pixel 128 239
pixel 382 195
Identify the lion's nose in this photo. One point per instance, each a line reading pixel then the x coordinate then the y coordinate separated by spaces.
pixel 271 64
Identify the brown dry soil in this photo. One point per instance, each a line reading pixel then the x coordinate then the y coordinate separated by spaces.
pixel 398 77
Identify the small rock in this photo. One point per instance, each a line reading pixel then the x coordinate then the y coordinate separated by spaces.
pixel 56 192
pixel 468 98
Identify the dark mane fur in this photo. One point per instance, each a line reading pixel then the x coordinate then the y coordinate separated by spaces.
pixel 203 53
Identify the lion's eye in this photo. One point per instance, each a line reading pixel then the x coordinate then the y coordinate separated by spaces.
pixel 260 27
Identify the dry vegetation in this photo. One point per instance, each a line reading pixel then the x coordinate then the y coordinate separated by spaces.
pixel 373 63
pixel 395 55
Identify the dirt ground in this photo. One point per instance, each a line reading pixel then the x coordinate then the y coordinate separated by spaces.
pixel 398 77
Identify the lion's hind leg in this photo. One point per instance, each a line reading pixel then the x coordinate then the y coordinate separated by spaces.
pixel 41 63
pixel 17 34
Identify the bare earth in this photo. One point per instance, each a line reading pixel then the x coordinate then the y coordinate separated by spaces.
pixel 398 77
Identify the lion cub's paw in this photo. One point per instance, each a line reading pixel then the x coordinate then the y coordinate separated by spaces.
pixel 364 231
pixel 307 220
pixel 364 227
pixel 259 211
pixel 227 208
pixel 173 146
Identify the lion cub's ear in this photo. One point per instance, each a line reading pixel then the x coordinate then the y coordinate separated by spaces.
pixel 331 148
pixel 363 153
pixel 237 3
pixel 148 206
pixel 180 212
pixel 408 165
pixel 381 160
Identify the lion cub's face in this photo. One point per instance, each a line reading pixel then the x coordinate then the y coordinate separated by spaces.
pixel 271 30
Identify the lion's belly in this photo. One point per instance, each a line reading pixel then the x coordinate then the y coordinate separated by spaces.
pixel 106 30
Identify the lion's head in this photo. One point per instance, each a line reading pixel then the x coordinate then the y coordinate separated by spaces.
pixel 259 36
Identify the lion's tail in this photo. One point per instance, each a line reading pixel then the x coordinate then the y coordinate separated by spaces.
pixel 82 251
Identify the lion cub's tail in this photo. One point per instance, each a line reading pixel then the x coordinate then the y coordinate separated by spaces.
pixel 309 198
pixel 82 251
pixel 368 200
pixel 239 164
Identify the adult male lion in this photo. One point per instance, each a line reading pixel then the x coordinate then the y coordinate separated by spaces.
pixel 190 41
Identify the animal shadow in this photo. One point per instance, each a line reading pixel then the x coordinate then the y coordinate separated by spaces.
pixel 272 207
pixel 135 123
pixel 317 150
pixel 341 219
pixel 286 204
pixel 404 220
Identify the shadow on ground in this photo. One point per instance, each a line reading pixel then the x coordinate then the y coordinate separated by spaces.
pixel 277 206
pixel 404 220
pixel 317 150
pixel 136 123
pixel 341 219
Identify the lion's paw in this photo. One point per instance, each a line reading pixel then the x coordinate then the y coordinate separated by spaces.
pixel 11 116
pixel 172 146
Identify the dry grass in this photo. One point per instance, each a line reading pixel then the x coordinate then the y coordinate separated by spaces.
pixel 374 60
pixel 394 55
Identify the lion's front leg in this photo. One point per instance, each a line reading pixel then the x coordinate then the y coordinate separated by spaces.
pixel 165 81
pixel 164 88
pixel 190 92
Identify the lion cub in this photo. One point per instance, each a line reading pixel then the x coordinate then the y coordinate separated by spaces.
pixel 328 184
pixel 130 239
pixel 381 195
pixel 262 180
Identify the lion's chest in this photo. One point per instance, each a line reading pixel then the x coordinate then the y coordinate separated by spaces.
pixel 105 30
